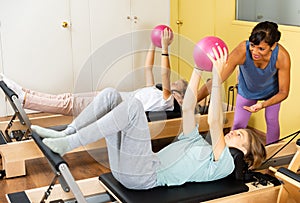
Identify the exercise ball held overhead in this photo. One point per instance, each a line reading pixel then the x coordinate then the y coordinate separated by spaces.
pixel 156 34
pixel 204 47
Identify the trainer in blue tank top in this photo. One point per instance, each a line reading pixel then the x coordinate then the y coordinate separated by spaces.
pixel 190 159
pixel 256 83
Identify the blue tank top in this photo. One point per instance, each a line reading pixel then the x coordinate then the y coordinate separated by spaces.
pixel 256 83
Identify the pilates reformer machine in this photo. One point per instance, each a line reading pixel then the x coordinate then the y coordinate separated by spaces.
pixel 16 145
pixel 107 189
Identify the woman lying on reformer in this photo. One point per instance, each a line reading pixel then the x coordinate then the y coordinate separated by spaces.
pixel 152 98
pixel 124 126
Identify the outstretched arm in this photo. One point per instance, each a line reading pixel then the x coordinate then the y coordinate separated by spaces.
pixel 189 102
pixel 165 63
pixel 149 78
pixel 215 111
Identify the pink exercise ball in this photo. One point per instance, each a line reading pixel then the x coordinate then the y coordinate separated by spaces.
pixel 156 34
pixel 204 47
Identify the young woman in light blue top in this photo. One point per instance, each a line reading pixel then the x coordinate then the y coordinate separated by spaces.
pixel 124 126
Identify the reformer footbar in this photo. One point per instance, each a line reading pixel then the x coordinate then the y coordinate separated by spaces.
pixel 19 112
pixel 61 173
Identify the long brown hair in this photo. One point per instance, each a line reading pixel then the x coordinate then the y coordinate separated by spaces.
pixel 256 151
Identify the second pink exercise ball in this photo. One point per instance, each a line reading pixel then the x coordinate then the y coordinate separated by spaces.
pixel 156 34
pixel 204 47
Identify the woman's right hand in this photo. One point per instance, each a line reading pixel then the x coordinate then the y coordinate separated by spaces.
pixel 220 59
pixel 166 39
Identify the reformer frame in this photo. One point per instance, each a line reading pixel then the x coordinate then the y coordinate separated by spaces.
pixel 257 193
pixel 62 172
pixel 15 153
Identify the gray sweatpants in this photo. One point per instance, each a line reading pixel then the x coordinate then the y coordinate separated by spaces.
pixel 124 126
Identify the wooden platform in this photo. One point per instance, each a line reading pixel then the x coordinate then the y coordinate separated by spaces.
pixel 257 193
pixel 92 186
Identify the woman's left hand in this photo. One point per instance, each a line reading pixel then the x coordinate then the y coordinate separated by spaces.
pixel 254 108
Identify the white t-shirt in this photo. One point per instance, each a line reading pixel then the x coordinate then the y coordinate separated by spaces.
pixel 151 98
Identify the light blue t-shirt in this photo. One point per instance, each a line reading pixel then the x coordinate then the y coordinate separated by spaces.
pixel 190 159
pixel 256 83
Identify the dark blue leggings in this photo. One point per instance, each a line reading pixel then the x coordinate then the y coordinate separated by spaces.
pixel 242 116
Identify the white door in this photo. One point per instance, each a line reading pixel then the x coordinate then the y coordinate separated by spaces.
pixel 35 48
pixel 146 15
pixel 112 41
pixel 105 60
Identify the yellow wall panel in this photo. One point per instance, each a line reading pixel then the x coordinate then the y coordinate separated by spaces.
pixel 235 31
pixel 217 17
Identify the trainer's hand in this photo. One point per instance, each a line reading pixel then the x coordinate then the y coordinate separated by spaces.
pixel 254 108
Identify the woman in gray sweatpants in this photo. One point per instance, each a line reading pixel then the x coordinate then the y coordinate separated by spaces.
pixel 126 132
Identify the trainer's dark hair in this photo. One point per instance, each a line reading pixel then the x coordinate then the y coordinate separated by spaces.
pixel 265 31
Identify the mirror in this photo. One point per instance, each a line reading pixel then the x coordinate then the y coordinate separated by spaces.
pixel 285 12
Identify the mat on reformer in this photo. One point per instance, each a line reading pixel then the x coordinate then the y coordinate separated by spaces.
pixel 163 115
pixel 188 193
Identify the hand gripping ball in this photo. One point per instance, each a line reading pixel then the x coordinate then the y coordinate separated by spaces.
pixel 156 34
pixel 204 47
